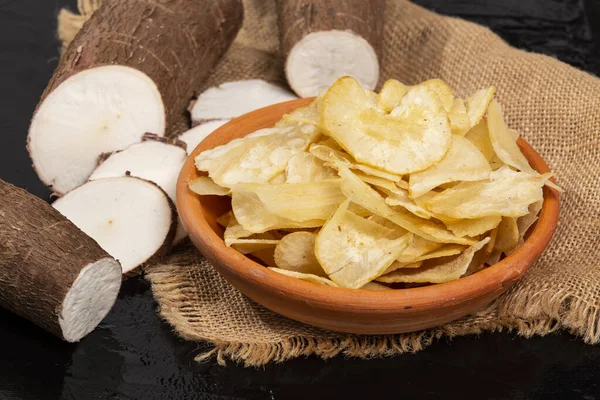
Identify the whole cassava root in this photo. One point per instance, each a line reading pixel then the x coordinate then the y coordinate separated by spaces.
pixel 50 271
pixel 323 40
pixel 175 42
pixel 133 68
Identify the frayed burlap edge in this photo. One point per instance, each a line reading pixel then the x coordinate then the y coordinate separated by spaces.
pixel 171 290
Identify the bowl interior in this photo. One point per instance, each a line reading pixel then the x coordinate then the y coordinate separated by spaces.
pixel 199 214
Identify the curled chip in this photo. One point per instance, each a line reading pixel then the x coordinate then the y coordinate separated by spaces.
pixel 507 193
pixel 305 277
pixel 391 94
pixel 526 221
pixel 257 157
pixel 296 252
pixel 373 137
pixel 438 270
pixel 503 142
pixel 474 227
pixel 478 103
pixel 459 119
pixel 442 90
pixel 298 202
pixel 334 156
pixel 400 197
pixel 463 162
pixel 397 265
pixel 362 194
pixel 507 237
pixel 203 185
pixel 480 137
pixel 353 251
pixel 254 217
pixel 304 168
pixel 444 251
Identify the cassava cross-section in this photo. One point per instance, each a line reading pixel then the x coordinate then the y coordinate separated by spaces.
pixel 51 272
pixel 327 39
pixel 132 69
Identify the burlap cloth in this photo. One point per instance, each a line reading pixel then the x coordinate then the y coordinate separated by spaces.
pixel 554 106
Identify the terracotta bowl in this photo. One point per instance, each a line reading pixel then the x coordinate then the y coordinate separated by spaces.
pixel 346 310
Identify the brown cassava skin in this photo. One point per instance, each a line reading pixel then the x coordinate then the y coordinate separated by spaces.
pixel 298 18
pixel 175 42
pixel 41 255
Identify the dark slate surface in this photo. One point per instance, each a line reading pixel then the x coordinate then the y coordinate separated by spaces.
pixel 133 355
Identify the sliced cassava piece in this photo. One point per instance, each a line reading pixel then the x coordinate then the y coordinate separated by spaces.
pixel 156 159
pixel 232 99
pixel 463 162
pixel 296 252
pixel 437 270
pixel 371 137
pixel 51 272
pixel 132 69
pixel 325 40
pixel 257 158
pixel 197 134
pixel 353 250
pixel 131 218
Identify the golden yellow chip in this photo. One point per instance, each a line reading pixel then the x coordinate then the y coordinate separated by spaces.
pixel 481 257
pixel 507 193
pixel 297 201
pixel 377 181
pixel 310 114
pixel 296 252
pixel 254 217
pixel 333 157
pixel 527 221
pixel 480 137
pixel 375 286
pixel 373 138
pixel 478 104
pixel 503 142
pixel 397 265
pixel 391 94
pixel 508 235
pixel 305 277
pixel 463 162
pixel 362 194
pixel 442 90
pixel 204 186
pixel 257 157
pixel 474 227
pixel 459 119
pixel 400 198
pixel 436 270
pixel 444 251
pixel 246 246
pixel 305 168
pixel 225 219
pixel 280 177
pixel 353 250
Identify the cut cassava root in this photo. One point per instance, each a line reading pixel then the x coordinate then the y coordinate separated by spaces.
pixel 96 111
pixel 50 271
pixel 155 159
pixel 232 99
pixel 325 40
pixel 109 88
pixel 131 218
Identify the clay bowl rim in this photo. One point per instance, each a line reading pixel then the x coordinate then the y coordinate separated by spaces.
pixel 411 300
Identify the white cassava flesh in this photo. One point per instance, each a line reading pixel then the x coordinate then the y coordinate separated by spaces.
pixel 96 111
pixel 320 58
pixel 236 98
pixel 130 218
pixel 197 134
pixel 83 308
pixel 153 160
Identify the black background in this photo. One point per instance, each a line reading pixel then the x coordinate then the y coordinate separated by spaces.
pixel 133 355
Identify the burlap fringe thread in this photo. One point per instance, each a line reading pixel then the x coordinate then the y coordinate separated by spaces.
pixel 540 313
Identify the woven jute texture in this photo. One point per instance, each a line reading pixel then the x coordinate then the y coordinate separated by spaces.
pixel 554 106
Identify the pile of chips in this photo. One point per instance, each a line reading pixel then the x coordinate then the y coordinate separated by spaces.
pixel 362 190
